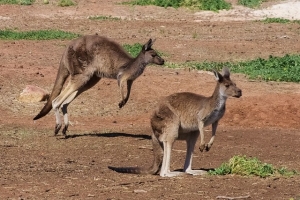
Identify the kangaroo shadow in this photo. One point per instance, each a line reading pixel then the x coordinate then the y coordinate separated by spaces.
pixel 202 169
pixel 140 136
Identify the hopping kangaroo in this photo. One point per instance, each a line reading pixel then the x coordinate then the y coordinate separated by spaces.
pixel 88 59
pixel 183 116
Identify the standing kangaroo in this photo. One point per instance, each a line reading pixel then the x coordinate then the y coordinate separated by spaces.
pixel 183 116
pixel 88 59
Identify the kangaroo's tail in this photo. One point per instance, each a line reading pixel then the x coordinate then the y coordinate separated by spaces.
pixel 158 156
pixel 61 77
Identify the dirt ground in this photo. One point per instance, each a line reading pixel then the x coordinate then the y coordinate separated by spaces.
pixel 263 123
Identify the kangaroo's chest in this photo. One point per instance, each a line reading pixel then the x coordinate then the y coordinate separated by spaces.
pixel 214 116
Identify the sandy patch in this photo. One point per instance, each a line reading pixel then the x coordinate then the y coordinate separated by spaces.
pixel 286 10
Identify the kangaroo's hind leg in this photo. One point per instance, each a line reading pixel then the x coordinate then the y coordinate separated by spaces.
pixel 64 106
pixel 191 142
pixel 76 82
pixel 169 135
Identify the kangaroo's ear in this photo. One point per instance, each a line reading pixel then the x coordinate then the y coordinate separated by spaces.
pixel 148 45
pixel 226 72
pixel 218 76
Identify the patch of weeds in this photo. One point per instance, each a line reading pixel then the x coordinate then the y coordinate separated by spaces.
pixel 65 3
pixel 110 18
pixel 8 34
pixel 241 165
pixel 286 68
pixel 279 20
pixel 21 2
pixel 213 5
pixel 250 3
pixel 135 49
pixel 276 20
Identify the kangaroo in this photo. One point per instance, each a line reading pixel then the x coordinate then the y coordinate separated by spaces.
pixel 88 59
pixel 183 116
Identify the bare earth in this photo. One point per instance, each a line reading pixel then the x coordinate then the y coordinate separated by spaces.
pixel 263 123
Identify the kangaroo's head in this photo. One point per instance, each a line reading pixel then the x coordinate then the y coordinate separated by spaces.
pixel 150 55
pixel 227 87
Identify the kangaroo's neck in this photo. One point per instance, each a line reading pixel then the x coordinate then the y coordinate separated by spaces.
pixel 135 67
pixel 138 64
pixel 217 100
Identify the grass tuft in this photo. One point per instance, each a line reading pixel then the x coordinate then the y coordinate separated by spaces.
pixel 241 165
pixel 134 49
pixel 20 2
pixel 279 20
pixel 250 3
pixel 8 34
pixel 213 5
pixel 109 18
pixel 65 3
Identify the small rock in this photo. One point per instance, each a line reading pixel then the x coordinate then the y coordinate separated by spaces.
pixel 33 94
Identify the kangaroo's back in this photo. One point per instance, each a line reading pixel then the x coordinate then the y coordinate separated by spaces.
pixel 98 54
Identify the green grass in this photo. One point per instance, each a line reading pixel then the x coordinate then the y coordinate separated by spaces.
pixel 21 2
pixel 286 68
pixel 279 20
pixel 109 18
pixel 36 35
pixel 65 3
pixel 241 165
pixel 134 49
pixel 250 3
pixel 213 5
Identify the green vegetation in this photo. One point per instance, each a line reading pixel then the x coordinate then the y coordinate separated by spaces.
pixel 286 68
pixel 276 20
pixel 110 18
pixel 65 3
pixel 213 5
pixel 241 165
pixel 250 3
pixel 21 2
pixel 279 20
pixel 36 35
pixel 134 49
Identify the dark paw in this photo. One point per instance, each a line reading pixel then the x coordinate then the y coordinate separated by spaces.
pixel 57 128
pixel 65 130
pixel 207 147
pixel 121 104
pixel 202 147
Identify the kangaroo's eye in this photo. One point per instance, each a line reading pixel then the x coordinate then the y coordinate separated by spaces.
pixel 153 55
pixel 227 85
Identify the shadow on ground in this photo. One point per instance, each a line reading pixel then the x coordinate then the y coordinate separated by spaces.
pixel 141 136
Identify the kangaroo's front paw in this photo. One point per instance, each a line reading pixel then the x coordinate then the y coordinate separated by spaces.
pixel 207 147
pixel 64 131
pixel 57 128
pixel 202 147
pixel 122 103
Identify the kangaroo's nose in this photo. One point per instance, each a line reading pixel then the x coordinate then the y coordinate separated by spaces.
pixel 239 93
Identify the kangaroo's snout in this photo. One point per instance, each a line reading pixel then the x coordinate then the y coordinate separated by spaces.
pixel 160 61
pixel 238 93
